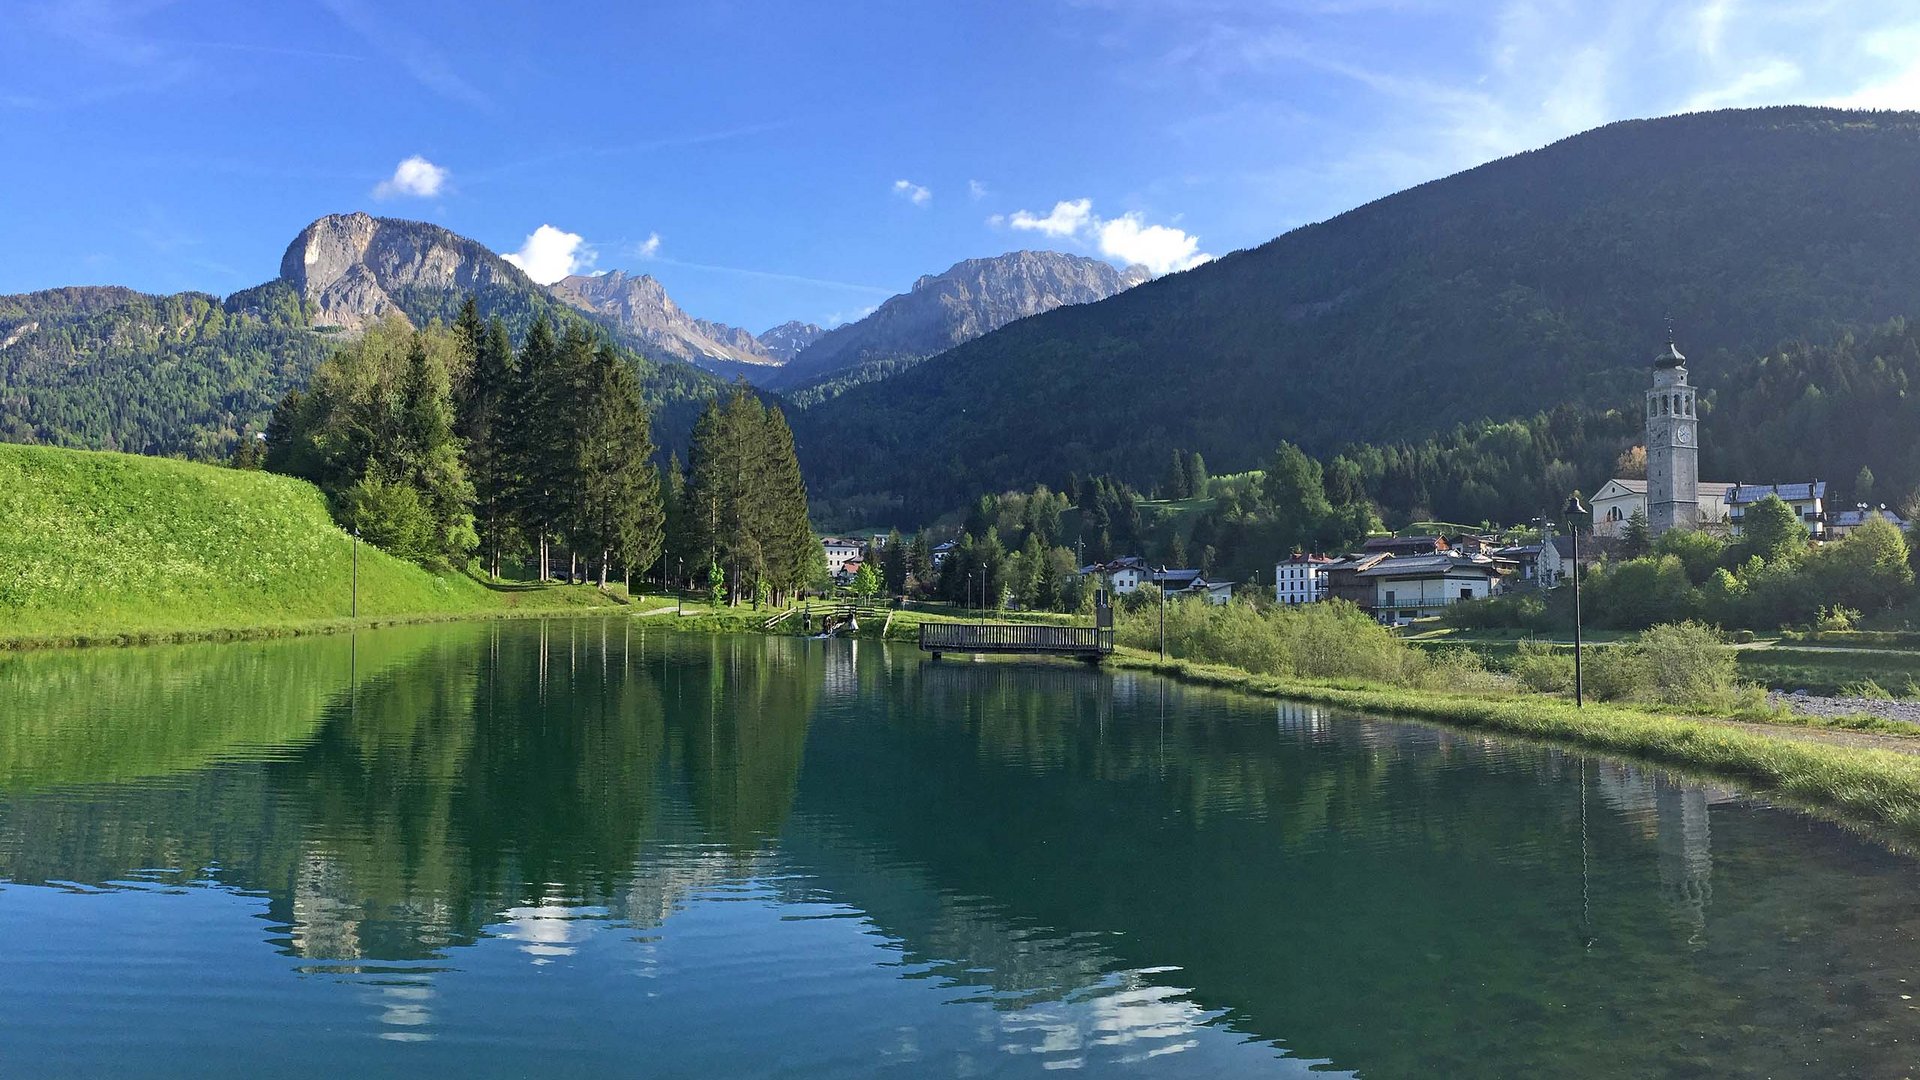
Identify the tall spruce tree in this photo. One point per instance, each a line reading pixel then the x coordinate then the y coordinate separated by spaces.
pixel 616 511
pixel 481 420
pixel 531 431
pixel 745 505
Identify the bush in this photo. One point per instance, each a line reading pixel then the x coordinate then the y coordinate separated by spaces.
pixel 1836 619
pixel 1689 664
pixel 1543 667
pixel 1314 641
pixel 1617 673
pixel 1520 611
pixel 1456 670
pixel 390 517
pixel 1866 688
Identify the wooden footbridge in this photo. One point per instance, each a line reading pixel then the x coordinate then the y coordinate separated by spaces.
pixel 1089 643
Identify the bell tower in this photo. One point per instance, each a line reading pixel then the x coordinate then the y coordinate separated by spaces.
pixel 1673 445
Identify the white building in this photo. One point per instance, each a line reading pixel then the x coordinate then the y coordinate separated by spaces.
pixel 1809 502
pixel 1123 575
pixel 1539 565
pixel 1420 585
pixel 1618 498
pixel 1841 523
pixel 841 552
pixel 1192 583
pixel 1300 579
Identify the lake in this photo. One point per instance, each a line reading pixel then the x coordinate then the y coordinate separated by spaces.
pixel 595 848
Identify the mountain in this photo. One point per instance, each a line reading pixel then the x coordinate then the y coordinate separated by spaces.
pixel 354 269
pixel 969 299
pixel 640 306
pixel 1539 279
pixel 110 368
pixel 785 341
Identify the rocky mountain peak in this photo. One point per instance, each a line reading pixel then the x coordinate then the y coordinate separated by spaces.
pixel 967 300
pixel 639 305
pixel 348 267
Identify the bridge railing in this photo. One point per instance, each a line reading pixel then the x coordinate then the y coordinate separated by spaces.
pixel 1015 637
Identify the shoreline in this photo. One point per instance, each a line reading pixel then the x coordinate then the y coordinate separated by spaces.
pixel 1868 777
pixel 132 638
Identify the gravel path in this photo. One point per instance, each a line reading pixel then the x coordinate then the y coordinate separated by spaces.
pixel 1813 705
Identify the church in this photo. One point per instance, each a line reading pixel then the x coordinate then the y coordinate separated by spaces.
pixel 1673 496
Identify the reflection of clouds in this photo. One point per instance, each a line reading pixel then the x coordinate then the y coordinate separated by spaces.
pixel 1128 1018
pixel 408 1008
pixel 545 932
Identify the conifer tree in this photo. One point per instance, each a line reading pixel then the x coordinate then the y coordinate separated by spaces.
pixel 615 512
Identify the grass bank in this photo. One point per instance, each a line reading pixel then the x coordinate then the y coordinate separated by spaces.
pixel 114 549
pixel 1874 785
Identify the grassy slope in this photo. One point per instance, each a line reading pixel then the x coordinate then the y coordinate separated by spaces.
pixel 100 546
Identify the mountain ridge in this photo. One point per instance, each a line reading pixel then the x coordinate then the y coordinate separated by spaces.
pixel 1539 278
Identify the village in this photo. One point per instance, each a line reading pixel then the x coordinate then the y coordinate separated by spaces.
pixel 1430 567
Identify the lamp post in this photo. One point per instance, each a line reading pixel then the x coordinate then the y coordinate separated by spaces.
pixel 355 602
pixel 1574 512
pixel 680 593
pixel 1160 580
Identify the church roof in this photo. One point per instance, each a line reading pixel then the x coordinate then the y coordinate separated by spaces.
pixel 1669 357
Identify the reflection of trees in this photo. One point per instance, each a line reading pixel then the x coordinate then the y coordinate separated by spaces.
pixel 738 721
pixel 1397 899
pixel 96 716
pixel 516 768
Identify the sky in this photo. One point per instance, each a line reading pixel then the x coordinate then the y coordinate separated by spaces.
pixel 770 161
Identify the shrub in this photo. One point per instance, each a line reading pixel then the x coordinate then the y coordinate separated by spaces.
pixel 1456 670
pixel 1314 641
pixel 1689 664
pixel 1617 673
pixel 389 516
pixel 1836 618
pixel 1866 688
pixel 1543 667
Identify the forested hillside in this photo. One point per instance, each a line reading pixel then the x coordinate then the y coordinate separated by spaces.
pixel 109 368
pixel 1529 282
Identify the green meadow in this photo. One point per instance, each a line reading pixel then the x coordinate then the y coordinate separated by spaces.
pixel 102 548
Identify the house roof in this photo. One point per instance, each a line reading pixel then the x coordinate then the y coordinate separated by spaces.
pixel 1639 487
pixel 1431 566
pixel 1850 519
pixel 1359 561
pixel 1753 493
pixel 1298 558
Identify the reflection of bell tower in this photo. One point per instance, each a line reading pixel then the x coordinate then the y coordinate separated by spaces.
pixel 1673 446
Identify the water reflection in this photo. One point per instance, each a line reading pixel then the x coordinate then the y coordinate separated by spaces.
pixel 953 866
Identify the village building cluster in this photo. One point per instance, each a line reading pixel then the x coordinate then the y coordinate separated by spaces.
pixel 1402 578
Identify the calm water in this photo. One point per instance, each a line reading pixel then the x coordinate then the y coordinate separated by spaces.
pixel 582 849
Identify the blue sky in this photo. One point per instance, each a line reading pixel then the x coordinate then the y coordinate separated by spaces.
pixel 776 161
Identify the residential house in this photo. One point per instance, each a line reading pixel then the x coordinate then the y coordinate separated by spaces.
pixel 1420 585
pixel 1809 502
pixel 1123 575
pixel 1192 583
pixel 942 550
pixel 1841 523
pixel 1300 579
pixel 1535 565
pixel 840 552
pixel 1342 577
pixel 1614 504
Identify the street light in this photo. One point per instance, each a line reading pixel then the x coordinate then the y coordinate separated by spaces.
pixel 1575 512
pixel 680 589
pixel 1160 580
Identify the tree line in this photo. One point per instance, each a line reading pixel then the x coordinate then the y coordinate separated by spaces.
pixel 448 446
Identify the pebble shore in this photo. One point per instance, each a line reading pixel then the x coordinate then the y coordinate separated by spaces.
pixel 1815 705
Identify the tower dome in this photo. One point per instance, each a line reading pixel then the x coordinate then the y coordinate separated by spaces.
pixel 1669 357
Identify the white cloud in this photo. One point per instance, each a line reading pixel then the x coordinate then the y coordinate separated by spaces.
pixel 976 190
pixel 550 254
pixel 840 317
pixel 1068 218
pixel 1160 248
pixel 650 247
pixel 416 176
pixel 1127 239
pixel 912 192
